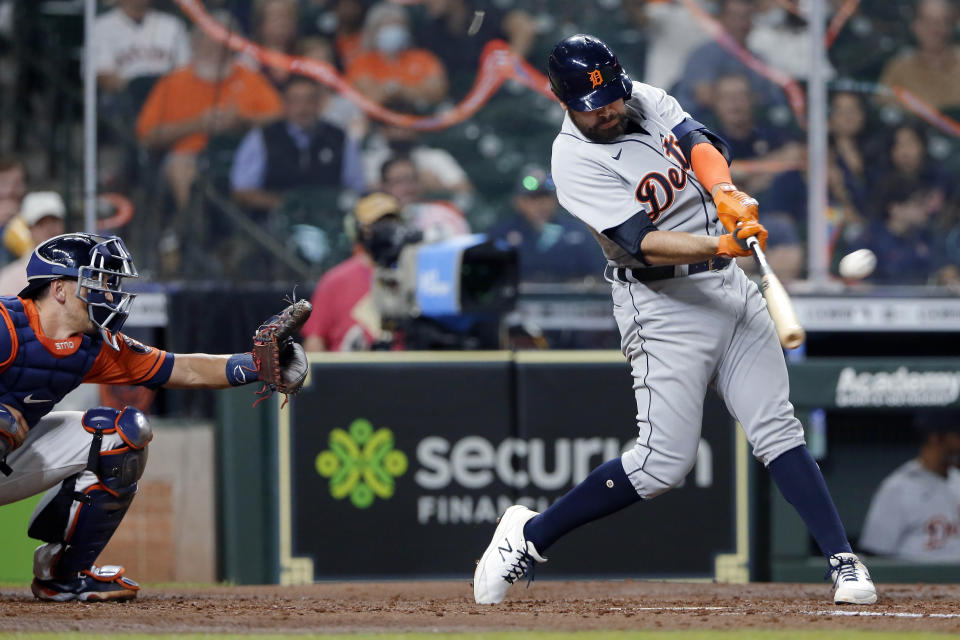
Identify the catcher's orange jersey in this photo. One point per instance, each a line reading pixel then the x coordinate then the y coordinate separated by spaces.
pixel 135 363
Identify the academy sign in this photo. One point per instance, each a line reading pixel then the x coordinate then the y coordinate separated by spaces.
pixel 899 388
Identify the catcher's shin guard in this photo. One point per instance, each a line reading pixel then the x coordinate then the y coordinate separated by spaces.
pixel 80 519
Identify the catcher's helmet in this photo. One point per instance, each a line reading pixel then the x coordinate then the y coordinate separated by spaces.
pixel 99 264
pixel 585 74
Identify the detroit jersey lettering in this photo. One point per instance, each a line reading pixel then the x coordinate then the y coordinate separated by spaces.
pixel 642 171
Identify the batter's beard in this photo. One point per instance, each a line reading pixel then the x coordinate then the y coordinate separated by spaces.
pixel 596 134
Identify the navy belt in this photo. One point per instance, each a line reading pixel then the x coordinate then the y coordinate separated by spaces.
pixel 648 274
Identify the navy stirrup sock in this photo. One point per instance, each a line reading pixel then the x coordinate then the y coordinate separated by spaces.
pixel 801 483
pixel 606 490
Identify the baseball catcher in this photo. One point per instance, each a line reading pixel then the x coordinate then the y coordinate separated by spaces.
pixel 63 329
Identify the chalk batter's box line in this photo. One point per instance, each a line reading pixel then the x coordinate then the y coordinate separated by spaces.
pixel 822 612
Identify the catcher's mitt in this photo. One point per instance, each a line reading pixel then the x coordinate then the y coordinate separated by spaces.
pixel 281 363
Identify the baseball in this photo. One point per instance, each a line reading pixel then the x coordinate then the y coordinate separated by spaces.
pixel 858 264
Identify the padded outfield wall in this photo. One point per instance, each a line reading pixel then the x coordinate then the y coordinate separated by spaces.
pixel 396 465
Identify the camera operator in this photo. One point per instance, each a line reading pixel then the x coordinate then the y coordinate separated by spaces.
pixel 398 293
pixel 345 316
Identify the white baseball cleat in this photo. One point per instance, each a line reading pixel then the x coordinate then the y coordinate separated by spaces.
pixel 851 580
pixel 508 558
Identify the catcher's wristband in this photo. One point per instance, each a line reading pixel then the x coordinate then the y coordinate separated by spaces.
pixel 241 369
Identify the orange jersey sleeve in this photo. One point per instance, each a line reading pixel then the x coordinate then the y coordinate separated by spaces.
pixel 259 99
pixel 181 96
pixel 418 66
pixel 135 363
pixel 152 111
pixel 8 340
pixel 412 68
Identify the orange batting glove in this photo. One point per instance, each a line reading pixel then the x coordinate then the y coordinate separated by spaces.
pixel 734 244
pixel 734 206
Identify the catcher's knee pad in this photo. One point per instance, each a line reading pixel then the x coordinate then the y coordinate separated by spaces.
pixel 86 511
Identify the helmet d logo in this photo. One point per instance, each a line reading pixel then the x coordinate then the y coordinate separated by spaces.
pixel 596 78
pixel 361 463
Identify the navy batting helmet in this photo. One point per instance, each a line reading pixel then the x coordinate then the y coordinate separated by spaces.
pixel 99 264
pixel 585 74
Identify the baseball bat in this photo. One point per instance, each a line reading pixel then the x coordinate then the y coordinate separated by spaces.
pixel 789 331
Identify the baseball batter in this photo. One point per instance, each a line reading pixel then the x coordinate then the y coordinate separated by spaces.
pixel 654 187
pixel 64 329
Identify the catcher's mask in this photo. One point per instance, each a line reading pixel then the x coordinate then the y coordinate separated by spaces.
pixel 99 264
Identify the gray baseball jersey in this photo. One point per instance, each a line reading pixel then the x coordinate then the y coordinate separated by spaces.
pixel 605 184
pixel 915 515
pixel 680 333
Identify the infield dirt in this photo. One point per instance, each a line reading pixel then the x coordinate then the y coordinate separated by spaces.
pixel 448 606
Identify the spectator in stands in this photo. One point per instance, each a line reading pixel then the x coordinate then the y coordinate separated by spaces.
pixel 213 95
pixel 906 159
pixel 788 195
pixel 439 171
pixel 444 32
pixel 784 44
pixel 299 151
pixel 134 41
pixel 673 35
pixel 847 129
pixel 904 242
pixel 345 317
pixel 872 35
pixel 748 140
pixel 931 70
pixel 390 67
pixel 551 246
pixel 348 36
pixel 341 22
pixel 915 513
pixel 710 61
pixel 438 220
pixel 43 212
pixel 13 187
pixel 275 28
pixel 240 10
pixel 336 109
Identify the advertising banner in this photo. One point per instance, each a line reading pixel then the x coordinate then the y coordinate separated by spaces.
pixel 398 465
pixel 877 383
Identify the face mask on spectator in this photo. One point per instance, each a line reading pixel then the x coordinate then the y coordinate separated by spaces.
pixel 392 38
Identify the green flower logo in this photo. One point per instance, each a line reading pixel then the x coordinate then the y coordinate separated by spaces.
pixel 361 463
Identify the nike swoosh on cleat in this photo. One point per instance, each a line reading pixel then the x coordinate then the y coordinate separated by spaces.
pixel 31 400
pixel 617 157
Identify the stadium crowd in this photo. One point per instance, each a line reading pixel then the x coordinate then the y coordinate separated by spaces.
pixel 239 165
